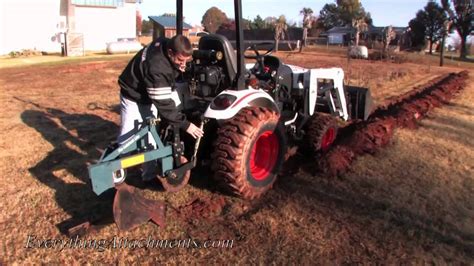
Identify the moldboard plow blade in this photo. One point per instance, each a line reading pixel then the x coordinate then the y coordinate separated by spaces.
pixel 131 210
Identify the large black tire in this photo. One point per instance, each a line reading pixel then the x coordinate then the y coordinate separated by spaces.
pixel 249 152
pixel 321 132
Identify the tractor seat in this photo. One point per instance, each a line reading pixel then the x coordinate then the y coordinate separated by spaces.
pixel 220 43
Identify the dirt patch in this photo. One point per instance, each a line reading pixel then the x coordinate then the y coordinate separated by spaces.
pixel 403 111
pixel 202 208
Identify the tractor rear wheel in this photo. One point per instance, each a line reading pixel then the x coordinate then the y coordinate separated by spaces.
pixel 321 132
pixel 249 152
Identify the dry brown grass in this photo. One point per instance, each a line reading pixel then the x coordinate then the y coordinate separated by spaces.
pixel 412 202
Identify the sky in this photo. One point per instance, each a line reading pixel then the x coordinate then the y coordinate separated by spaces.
pixel 383 12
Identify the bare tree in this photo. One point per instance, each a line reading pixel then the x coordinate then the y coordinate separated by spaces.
pixel 307 23
pixel 446 26
pixel 280 30
pixel 388 35
pixel 360 25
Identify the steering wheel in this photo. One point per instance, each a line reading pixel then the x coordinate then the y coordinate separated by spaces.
pixel 257 55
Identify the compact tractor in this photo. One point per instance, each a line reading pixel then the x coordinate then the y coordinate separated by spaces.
pixel 251 114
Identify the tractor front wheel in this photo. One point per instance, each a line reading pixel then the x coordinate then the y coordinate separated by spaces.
pixel 321 132
pixel 249 152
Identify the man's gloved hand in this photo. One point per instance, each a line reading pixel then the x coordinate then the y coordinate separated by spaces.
pixel 194 131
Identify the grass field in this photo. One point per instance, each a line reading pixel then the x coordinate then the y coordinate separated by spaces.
pixel 409 203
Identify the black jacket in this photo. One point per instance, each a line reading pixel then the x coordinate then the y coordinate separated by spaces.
pixel 150 78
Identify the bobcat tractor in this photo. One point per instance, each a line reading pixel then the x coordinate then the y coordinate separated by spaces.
pixel 263 108
pixel 252 114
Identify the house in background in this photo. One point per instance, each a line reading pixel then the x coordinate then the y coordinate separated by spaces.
pixel 45 25
pixel 371 38
pixel 165 26
pixel 340 35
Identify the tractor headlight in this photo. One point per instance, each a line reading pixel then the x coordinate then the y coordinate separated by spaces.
pixel 223 101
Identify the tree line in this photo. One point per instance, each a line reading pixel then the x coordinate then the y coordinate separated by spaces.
pixel 435 21
pixel 430 24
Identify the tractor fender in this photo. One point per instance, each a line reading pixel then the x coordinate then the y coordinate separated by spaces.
pixel 234 101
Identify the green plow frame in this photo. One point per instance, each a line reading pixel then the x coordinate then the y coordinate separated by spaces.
pixel 130 153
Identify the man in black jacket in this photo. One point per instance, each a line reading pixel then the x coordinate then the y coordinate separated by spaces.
pixel 147 85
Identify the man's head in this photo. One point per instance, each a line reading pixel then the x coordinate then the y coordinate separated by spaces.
pixel 180 51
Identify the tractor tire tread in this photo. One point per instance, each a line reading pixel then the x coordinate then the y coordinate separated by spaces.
pixel 318 125
pixel 229 148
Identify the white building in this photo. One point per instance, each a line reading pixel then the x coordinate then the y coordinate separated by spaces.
pixel 37 24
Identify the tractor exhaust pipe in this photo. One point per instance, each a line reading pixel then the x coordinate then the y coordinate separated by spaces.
pixel 179 17
pixel 239 82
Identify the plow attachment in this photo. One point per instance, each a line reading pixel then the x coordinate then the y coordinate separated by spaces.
pixel 110 170
pixel 129 208
pixel 132 210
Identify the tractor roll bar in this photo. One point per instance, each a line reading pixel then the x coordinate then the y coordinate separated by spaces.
pixel 179 17
pixel 239 81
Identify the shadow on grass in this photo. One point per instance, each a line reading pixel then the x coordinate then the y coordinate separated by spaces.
pixel 455 129
pixel 75 138
pixel 336 196
pixel 463 109
pixel 453 58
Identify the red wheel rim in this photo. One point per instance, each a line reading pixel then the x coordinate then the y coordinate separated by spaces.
pixel 264 155
pixel 328 139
